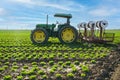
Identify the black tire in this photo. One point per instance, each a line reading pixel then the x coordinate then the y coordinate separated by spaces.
pixel 74 31
pixel 37 42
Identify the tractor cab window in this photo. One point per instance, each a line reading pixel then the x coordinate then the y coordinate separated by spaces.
pixel 60 21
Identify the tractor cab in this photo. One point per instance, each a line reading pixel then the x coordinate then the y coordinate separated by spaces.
pixel 67 16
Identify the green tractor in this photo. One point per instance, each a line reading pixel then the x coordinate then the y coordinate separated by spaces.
pixel 65 32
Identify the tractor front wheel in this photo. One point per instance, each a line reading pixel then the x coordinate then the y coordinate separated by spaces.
pixel 67 34
pixel 39 36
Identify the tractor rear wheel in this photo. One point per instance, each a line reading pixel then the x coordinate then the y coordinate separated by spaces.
pixel 67 34
pixel 39 36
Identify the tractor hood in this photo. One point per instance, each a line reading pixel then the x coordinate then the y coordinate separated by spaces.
pixel 44 25
pixel 41 25
pixel 63 15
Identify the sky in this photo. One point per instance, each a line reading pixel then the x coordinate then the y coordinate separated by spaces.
pixel 25 14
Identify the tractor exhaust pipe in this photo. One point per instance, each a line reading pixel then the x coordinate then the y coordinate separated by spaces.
pixel 47 20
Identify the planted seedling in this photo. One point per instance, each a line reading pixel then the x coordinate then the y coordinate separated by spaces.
pixel 32 77
pixel 14 63
pixel 23 72
pixel 0 63
pixel 44 77
pixel 34 63
pixel 15 67
pixel 25 67
pixel 41 72
pixel 74 69
pixel 60 62
pixel 85 68
pixel 5 66
pixel 72 65
pixel 58 76
pixel 7 63
pixel 6 58
pixel 76 62
pixel 51 63
pixel 7 77
pixel 42 63
pixel 70 75
pixel 31 72
pixel 68 63
pixel 65 57
pixel 72 55
pixel 52 71
pixel 35 68
pixel 59 54
pixel 2 69
pixel 51 56
pixel 93 61
pixel 64 65
pixel 55 66
pixel 29 57
pixel 19 77
pixel 83 75
pixel 45 56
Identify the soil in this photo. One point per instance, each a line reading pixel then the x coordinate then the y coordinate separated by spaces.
pixel 107 68
pixel 116 73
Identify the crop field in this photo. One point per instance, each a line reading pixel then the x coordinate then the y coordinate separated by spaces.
pixel 22 60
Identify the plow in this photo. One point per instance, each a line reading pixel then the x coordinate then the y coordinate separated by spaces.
pixel 90 34
pixel 66 33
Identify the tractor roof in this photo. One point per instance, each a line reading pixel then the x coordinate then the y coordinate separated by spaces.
pixel 63 15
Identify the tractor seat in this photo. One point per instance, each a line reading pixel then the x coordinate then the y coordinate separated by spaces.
pixel 56 27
